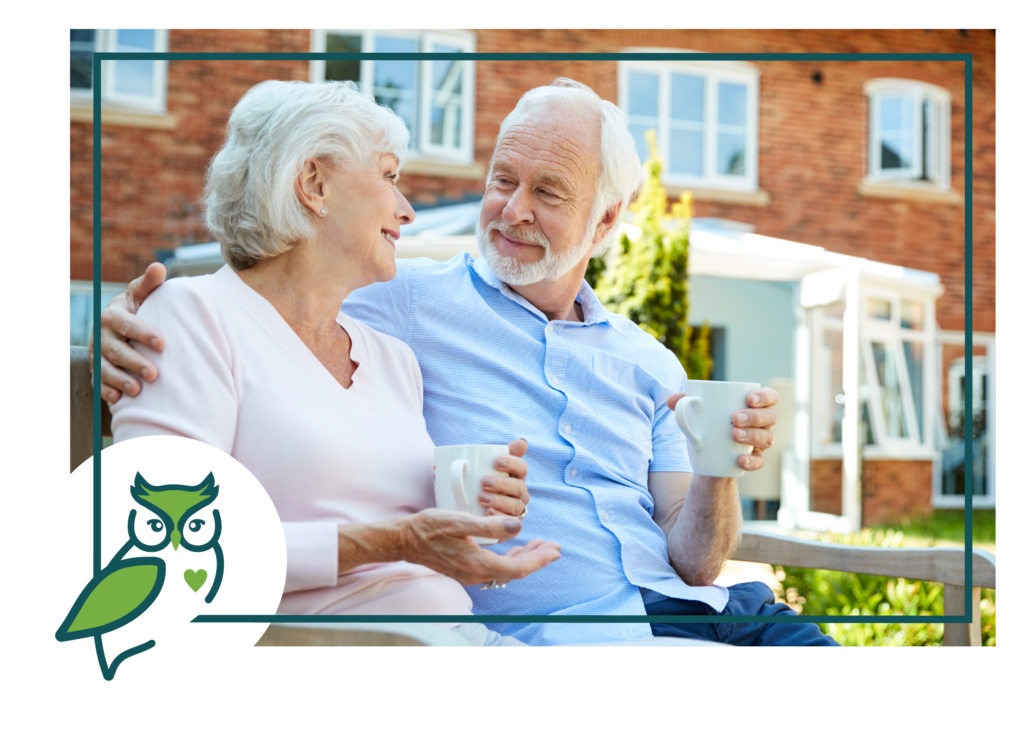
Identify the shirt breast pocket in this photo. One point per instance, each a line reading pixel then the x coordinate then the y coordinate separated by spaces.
pixel 621 395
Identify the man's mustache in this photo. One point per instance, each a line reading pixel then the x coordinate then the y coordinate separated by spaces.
pixel 519 234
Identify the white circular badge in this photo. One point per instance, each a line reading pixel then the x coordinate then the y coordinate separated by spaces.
pixel 185 531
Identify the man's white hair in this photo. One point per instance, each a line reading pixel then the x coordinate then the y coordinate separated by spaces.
pixel 621 173
pixel 249 202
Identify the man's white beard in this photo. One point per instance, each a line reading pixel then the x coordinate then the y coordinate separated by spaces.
pixel 513 272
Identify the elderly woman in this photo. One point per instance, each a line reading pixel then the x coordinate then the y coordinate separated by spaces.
pixel 323 410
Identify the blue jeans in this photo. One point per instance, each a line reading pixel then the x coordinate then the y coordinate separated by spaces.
pixel 745 599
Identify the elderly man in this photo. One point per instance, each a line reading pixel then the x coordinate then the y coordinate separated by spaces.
pixel 517 341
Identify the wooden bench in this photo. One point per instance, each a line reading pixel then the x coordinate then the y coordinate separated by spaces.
pixel 943 565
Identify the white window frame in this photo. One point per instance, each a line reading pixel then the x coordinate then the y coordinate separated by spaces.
pixel 420 147
pixel 938 154
pixel 106 41
pixel 921 441
pixel 713 73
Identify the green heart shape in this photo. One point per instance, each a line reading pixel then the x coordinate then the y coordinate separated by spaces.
pixel 195 579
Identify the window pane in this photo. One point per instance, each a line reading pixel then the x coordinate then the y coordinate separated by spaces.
pixel 889 389
pixel 896 135
pixel 81 318
pixel 446 99
pixel 732 104
pixel 961 432
pixel 686 152
pixel 639 132
pixel 835 310
pixel 394 83
pixel 81 314
pixel 134 77
pixel 912 315
pixel 82 42
pixel 342 69
pixel 83 35
pixel 926 125
pixel 731 154
pixel 137 39
pixel 880 310
pixel 867 431
pixel 643 94
pixel 830 400
pixel 687 98
pixel 913 352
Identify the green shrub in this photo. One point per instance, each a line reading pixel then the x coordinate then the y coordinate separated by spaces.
pixel 827 593
pixel 648 281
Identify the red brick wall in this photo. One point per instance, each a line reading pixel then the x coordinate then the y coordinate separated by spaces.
pixel 890 489
pixel 812 144
pixel 827 486
pixel 813 140
pixel 893 489
pixel 153 179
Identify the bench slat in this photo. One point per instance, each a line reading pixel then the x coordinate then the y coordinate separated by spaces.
pixel 934 564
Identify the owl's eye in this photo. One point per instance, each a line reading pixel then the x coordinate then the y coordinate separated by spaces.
pixel 199 534
pixel 156 524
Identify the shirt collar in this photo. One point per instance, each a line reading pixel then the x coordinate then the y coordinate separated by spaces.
pixel 593 310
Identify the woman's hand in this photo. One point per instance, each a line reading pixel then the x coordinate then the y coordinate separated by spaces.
pixel 441 541
pixel 507 495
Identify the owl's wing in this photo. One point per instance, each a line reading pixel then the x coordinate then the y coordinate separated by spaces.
pixel 120 593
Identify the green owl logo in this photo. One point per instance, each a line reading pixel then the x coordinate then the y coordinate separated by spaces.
pixel 127 586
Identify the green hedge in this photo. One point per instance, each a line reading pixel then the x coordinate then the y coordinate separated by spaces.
pixel 824 592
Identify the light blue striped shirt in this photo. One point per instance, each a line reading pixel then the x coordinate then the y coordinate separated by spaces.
pixel 588 397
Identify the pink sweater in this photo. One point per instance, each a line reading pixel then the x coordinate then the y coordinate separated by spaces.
pixel 234 375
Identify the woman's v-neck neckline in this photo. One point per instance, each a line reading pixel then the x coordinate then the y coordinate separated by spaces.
pixel 361 391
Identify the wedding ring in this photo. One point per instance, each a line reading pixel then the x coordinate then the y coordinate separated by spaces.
pixel 523 515
pixel 494 584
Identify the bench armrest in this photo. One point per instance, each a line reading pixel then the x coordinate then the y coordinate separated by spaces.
pixel 934 564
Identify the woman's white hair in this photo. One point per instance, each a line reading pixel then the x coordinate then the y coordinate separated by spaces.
pixel 249 203
pixel 621 171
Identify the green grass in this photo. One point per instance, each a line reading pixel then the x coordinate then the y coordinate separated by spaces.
pixel 947 525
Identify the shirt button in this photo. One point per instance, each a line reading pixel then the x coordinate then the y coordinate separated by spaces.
pixel 554 381
pixel 572 472
pixel 551 328
pixel 568 427
pixel 605 517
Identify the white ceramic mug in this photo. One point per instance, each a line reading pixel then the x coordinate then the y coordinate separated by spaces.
pixel 457 473
pixel 705 417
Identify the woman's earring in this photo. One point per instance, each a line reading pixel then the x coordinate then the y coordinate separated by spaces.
pixel 323 211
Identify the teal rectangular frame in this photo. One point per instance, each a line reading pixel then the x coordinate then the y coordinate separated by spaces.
pixel 967 60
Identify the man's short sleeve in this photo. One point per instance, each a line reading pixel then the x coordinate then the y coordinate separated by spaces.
pixel 385 306
pixel 668 443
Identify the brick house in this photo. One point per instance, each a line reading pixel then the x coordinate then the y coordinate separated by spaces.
pixel 854 159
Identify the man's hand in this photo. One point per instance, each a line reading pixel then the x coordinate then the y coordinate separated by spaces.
pixel 507 495
pixel 120 363
pixel 440 540
pixel 751 426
